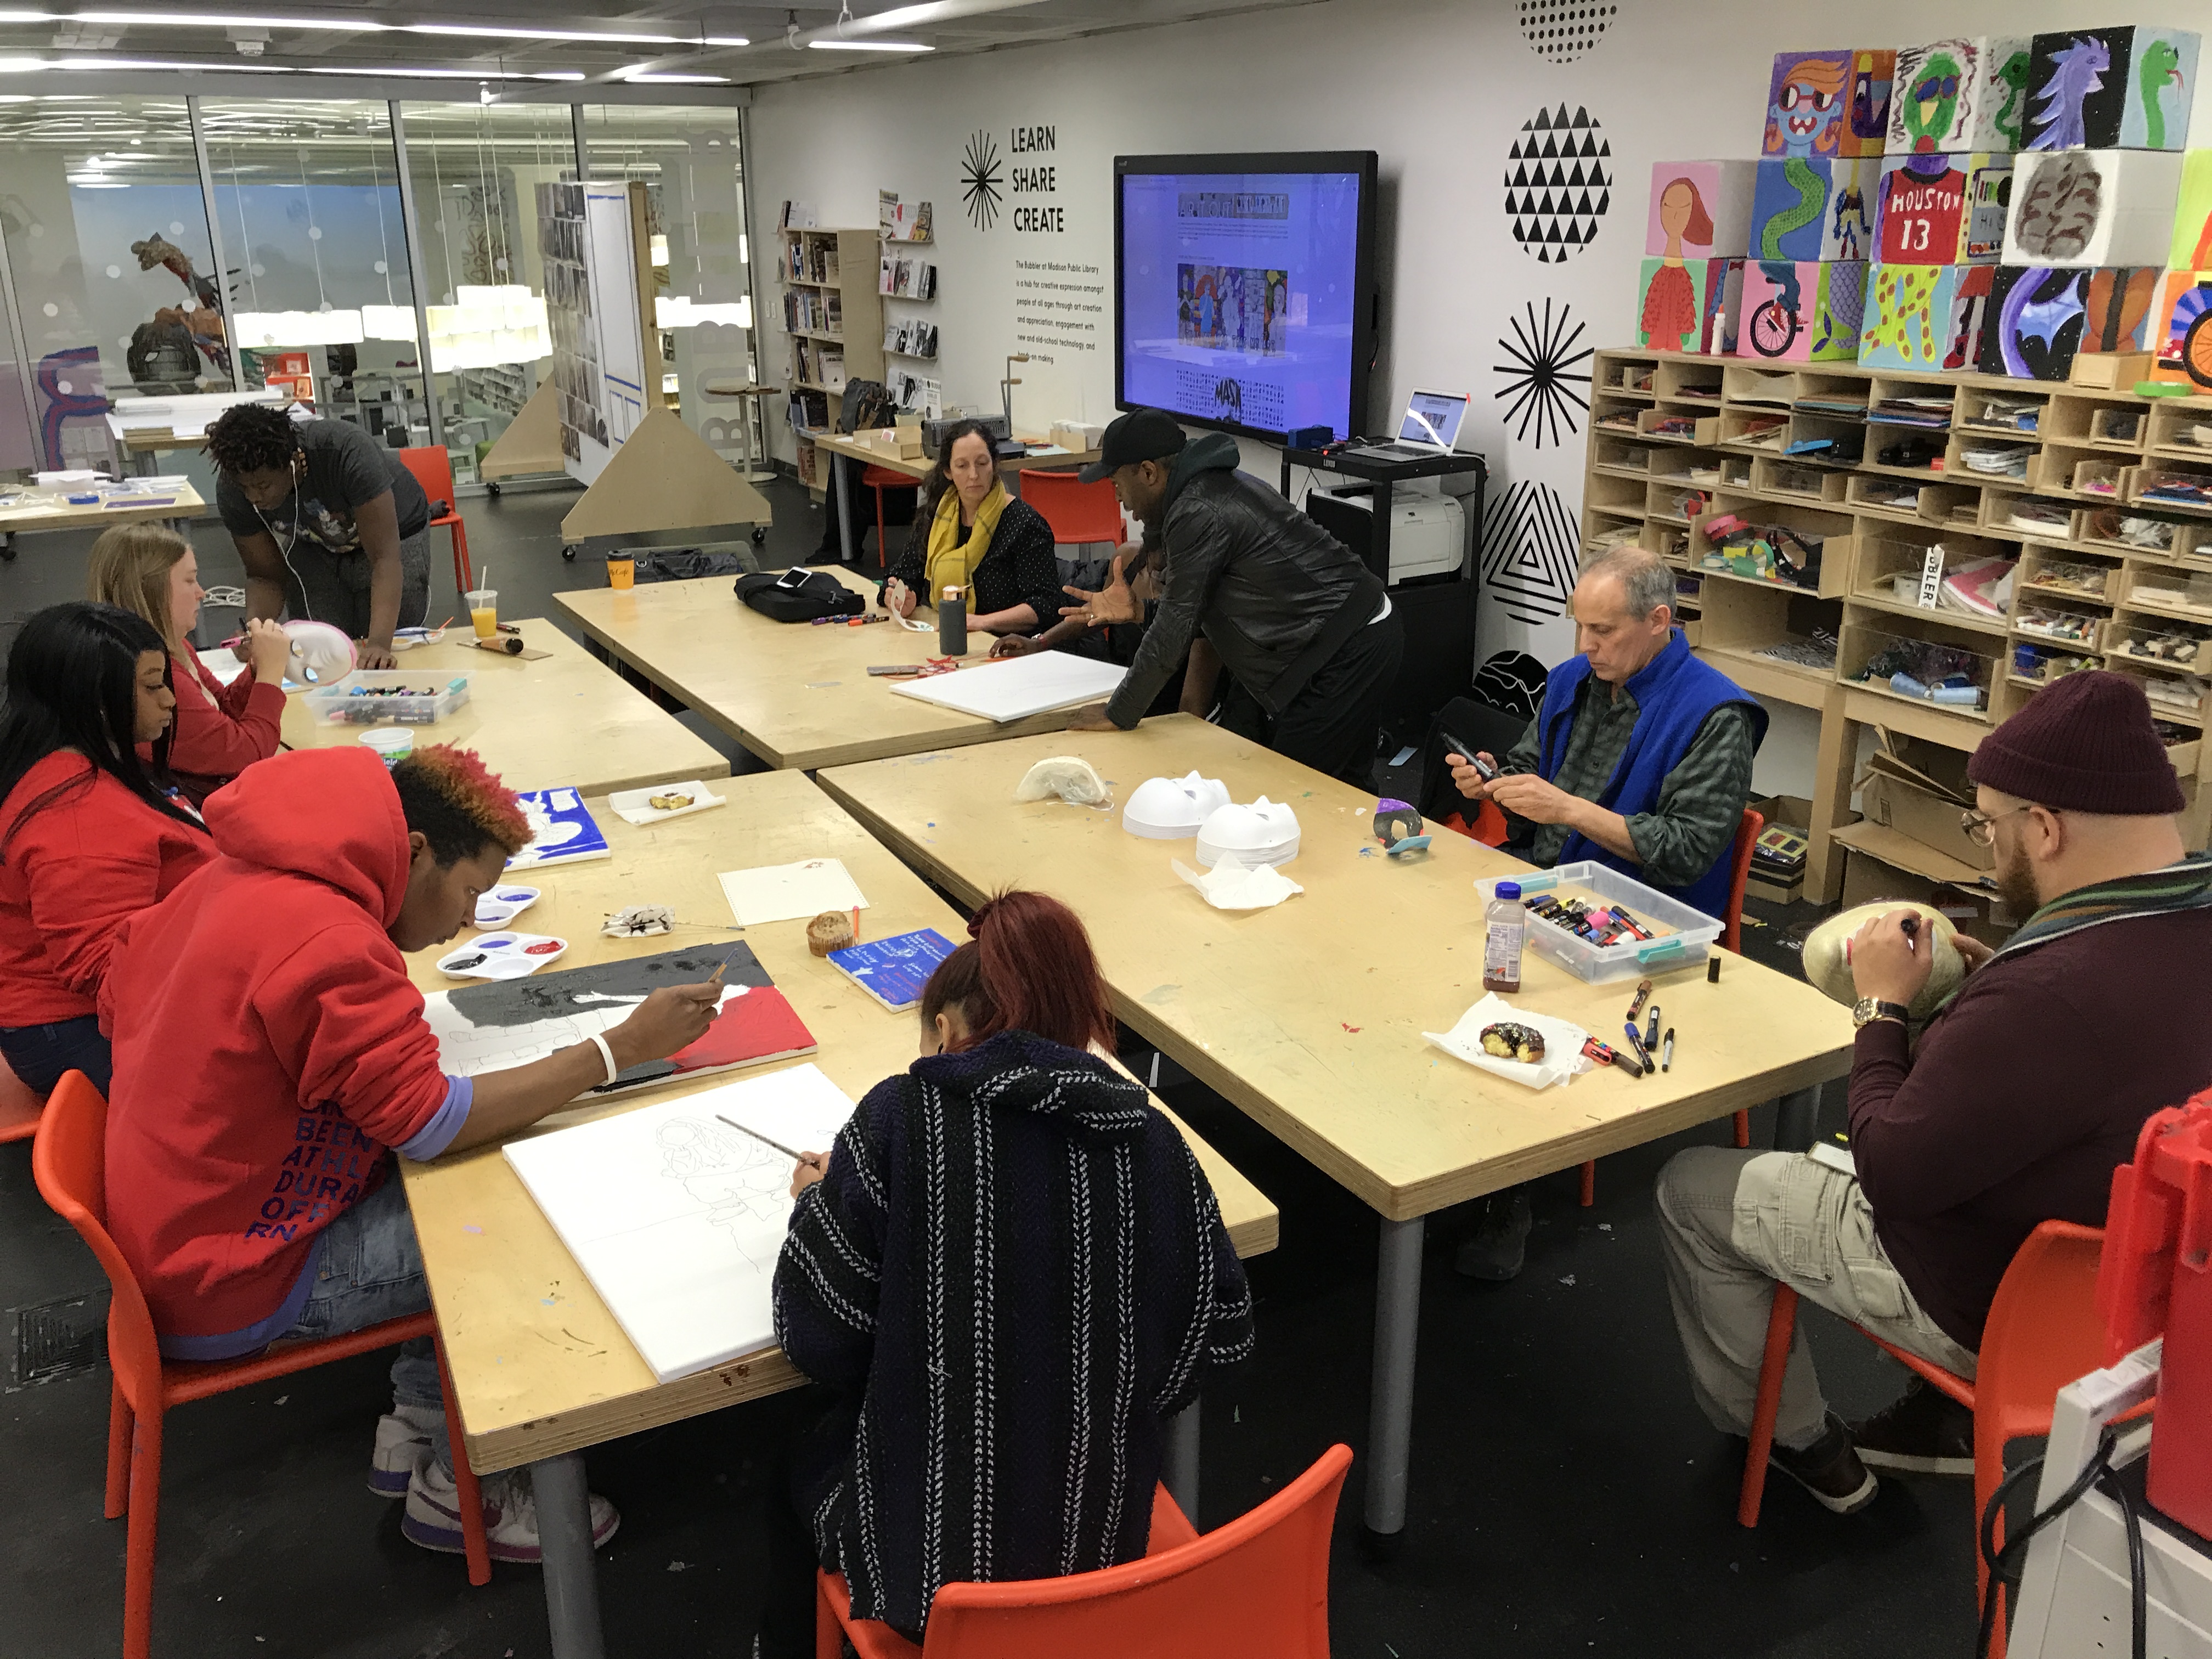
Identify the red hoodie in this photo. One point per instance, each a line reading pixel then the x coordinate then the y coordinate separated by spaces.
pixel 71 876
pixel 269 1047
pixel 221 730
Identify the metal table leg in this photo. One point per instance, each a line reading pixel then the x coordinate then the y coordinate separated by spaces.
pixel 1390 1419
pixel 1181 1475
pixel 564 1535
pixel 838 464
pixel 1796 1120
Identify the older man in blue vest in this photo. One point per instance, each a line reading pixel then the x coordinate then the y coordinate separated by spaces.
pixel 1638 759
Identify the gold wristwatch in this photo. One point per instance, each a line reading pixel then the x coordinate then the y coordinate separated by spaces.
pixel 1867 1010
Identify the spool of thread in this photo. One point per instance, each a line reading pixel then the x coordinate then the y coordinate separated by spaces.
pixel 1966 696
pixel 1905 686
pixel 952 623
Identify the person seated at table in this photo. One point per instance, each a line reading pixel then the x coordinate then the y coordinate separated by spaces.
pixel 1639 759
pixel 270 1052
pixel 970 534
pixel 218 731
pixel 91 831
pixel 1003 1374
pixel 2022 1095
pixel 330 524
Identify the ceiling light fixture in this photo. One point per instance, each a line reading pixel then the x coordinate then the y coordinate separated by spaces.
pixel 870 46
pixel 645 77
pixel 149 18
pixel 375 69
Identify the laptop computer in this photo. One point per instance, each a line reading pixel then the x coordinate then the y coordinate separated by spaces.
pixel 1430 427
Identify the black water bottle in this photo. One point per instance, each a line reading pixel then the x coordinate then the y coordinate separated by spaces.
pixel 953 622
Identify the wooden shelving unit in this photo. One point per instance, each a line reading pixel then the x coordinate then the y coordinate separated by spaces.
pixel 2101 499
pixel 833 322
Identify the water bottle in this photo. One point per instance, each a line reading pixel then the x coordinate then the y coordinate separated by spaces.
pixel 1505 930
pixel 952 623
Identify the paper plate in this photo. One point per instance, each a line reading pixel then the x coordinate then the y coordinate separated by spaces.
pixel 503 904
pixel 502 956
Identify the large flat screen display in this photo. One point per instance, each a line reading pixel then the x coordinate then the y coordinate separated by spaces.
pixel 1245 292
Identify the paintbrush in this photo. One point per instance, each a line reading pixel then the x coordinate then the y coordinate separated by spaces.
pixel 765 1140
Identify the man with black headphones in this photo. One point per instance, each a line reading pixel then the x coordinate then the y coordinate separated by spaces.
pixel 331 525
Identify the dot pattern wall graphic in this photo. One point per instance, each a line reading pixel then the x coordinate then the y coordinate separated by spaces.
pixel 1559 183
pixel 1529 559
pixel 1560 31
pixel 1540 371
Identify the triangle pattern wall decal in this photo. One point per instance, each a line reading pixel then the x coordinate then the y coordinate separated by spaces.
pixel 1529 559
pixel 1558 182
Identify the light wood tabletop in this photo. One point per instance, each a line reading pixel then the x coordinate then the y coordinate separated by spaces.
pixel 1309 1016
pixel 562 718
pixel 46 509
pixel 539 1365
pixel 918 467
pixel 795 695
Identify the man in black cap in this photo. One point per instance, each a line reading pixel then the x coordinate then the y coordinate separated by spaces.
pixel 1249 583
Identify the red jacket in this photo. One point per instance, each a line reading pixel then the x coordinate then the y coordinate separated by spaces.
pixel 221 729
pixel 269 1046
pixel 73 872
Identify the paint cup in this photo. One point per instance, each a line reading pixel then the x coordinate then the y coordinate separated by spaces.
pixel 392 744
pixel 622 573
pixel 483 611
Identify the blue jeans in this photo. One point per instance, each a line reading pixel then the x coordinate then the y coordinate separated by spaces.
pixel 39 1054
pixel 368 1268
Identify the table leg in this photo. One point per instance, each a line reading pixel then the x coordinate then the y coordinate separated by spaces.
pixel 564 1536
pixel 838 464
pixel 1181 1475
pixel 1796 1120
pixel 1390 1409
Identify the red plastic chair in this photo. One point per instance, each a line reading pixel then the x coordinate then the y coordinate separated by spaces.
pixel 1748 829
pixel 20 1107
pixel 1077 512
pixel 434 469
pixel 1256 1589
pixel 69 1160
pixel 2043 1332
pixel 880 478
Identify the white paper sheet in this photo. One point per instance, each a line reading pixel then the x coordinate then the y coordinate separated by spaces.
pixel 1563 1044
pixel 1233 886
pixel 676 1218
pixel 1017 687
pixel 790 892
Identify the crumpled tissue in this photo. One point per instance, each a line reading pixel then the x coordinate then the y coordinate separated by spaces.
pixel 1070 777
pixel 1232 886
pixel 1563 1044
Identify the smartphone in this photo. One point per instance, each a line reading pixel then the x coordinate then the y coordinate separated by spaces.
pixel 1459 746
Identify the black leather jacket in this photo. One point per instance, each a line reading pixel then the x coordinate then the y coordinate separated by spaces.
pixel 1256 576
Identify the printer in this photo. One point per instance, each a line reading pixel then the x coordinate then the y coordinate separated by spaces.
pixel 1428 533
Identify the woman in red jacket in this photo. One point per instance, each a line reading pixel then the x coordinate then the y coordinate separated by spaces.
pixel 220 730
pixel 88 835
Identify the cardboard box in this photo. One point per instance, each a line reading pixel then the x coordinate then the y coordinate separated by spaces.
pixel 1788 812
pixel 904 441
pixel 2110 371
pixel 1919 789
pixel 1882 865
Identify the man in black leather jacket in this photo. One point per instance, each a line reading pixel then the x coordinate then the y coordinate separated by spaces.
pixel 1303 626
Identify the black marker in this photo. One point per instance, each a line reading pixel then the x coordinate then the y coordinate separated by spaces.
pixel 1651 1032
pixel 1667 1053
pixel 1636 1042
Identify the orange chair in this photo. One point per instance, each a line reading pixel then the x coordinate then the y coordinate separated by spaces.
pixel 434 469
pixel 2043 1332
pixel 880 478
pixel 1748 829
pixel 1077 512
pixel 20 1107
pixel 1256 1589
pixel 69 1160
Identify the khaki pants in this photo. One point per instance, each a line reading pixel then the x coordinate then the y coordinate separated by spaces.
pixel 1733 1224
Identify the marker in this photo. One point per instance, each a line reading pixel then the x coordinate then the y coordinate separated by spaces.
pixel 1651 1032
pixel 764 1139
pixel 1713 970
pixel 1636 1042
pixel 1605 1056
pixel 1910 927
pixel 1642 995
pixel 1667 1053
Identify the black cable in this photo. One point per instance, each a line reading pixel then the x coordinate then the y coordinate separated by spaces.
pixel 2006 1565
pixel 2138 1588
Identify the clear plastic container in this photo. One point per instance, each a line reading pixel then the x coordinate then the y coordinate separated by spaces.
pixel 419 696
pixel 1691 939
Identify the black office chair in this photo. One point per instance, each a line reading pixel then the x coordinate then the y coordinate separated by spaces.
pixel 1493 730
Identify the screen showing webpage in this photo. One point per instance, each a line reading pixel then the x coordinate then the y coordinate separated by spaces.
pixel 1432 417
pixel 1237 294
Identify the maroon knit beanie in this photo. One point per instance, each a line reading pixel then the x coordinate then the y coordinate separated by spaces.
pixel 2084 745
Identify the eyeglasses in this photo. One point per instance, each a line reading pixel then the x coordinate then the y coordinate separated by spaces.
pixel 1981 827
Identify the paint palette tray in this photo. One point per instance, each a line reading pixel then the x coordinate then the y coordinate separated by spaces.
pixel 503 904
pixel 502 956
pixel 369 696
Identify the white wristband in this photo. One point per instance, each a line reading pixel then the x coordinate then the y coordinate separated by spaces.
pixel 608 1055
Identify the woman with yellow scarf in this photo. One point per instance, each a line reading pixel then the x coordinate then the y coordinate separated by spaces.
pixel 970 534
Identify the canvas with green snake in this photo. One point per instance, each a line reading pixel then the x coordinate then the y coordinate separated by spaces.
pixel 2128 88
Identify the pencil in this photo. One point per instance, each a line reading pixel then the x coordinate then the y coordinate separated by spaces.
pixel 764 1140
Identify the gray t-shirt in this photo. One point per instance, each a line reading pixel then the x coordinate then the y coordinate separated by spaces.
pixel 345 467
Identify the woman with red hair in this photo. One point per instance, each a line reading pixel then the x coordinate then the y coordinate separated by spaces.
pixel 1011 1271
pixel 1670 303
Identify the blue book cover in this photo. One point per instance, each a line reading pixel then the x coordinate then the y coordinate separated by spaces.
pixel 893 970
pixel 562 830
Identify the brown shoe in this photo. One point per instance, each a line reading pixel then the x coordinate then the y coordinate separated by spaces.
pixel 1924 1432
pixel 1830 1469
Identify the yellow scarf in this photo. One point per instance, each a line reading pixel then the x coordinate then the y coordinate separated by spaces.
pixel 953 562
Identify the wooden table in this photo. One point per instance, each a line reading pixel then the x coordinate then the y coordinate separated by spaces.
pixel 794 695
pixel 177 508
pixel 561 719
pixel 847 451
pixel 540 1368
pixel 1309 1017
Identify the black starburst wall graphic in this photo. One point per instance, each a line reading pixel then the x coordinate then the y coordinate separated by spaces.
pixel 1559 183
pixel 1529 560
pixel 1542 380
pixel 979 179
pixel 1560 31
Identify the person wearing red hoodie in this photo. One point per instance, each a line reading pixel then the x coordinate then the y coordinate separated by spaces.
pixel 271 1053
pixel 88 832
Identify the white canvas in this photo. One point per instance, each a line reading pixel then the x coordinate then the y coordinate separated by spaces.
pixel 790 892
pixel 1015 689
pixel 2086 208
pixel 676 1218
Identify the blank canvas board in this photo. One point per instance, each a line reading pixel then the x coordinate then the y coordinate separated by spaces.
pixel 790 892
pixel 676 1218
pixel 1016 688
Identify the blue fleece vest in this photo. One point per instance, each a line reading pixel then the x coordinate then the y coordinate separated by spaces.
pixel 1675 692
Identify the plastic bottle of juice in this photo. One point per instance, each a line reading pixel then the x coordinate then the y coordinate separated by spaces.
pixel 1505 930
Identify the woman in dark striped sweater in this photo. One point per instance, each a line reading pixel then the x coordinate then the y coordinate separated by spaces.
pixel 1011 1271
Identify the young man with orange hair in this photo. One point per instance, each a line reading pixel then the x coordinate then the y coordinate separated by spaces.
pixel 271 1053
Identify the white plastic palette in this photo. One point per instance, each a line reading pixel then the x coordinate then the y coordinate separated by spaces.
pixel 503 904
pixel 636 805
pixel 502 956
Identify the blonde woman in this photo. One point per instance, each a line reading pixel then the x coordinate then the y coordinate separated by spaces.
pixel 220 730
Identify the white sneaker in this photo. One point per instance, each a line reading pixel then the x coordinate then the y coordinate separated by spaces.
pixel 432 1517
pixel 406 1439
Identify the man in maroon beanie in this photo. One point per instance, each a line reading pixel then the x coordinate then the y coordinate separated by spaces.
pixel 2020 1096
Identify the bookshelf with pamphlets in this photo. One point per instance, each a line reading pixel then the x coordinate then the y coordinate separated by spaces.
pixel 832 323
pixel 906 277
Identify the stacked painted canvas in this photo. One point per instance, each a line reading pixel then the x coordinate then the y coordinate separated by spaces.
pixel 2181 330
